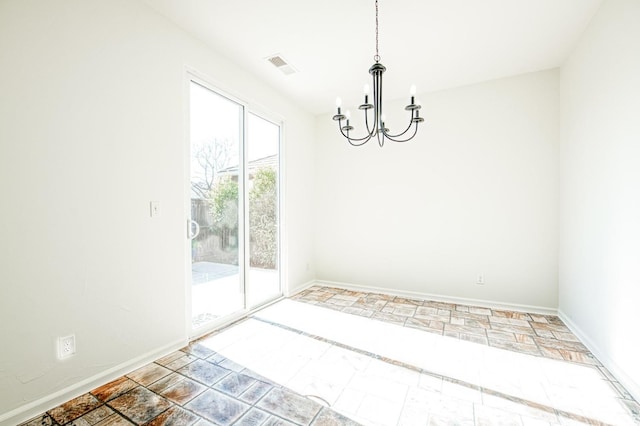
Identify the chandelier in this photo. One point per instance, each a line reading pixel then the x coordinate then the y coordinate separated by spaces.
pixel 375 126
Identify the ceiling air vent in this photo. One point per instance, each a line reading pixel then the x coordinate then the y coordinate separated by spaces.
pixel 279 62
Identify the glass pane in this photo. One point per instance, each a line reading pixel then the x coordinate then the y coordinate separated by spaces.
pixel 216 134
pixel 263 177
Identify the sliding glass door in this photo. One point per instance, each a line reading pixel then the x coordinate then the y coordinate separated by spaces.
pixel 216 133
pixel 263 152
pixel 234 197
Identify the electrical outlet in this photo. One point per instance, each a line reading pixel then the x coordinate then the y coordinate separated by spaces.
pixel 66 346
pixel 480 280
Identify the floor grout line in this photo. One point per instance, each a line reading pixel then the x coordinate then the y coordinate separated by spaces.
pixel 483 390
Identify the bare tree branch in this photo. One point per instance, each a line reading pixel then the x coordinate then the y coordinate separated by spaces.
pixel 212 157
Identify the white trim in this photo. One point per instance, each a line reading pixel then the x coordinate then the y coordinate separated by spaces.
pixel 283 252
pixel 217 86
pixel 230 319
pixel 283 233
pixel 439 298
pixel 200 79
pixel 627 382
pixel 186 197
pixel 302 287
pixel 39 406
pixel 216 324
pixel 243 209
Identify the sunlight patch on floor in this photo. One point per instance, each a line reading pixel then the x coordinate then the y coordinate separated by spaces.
pixel 449 378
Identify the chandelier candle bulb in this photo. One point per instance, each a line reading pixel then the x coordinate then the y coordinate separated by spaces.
pixel 338 102
pixel 382 120
pixel 412 91
pixel 366 94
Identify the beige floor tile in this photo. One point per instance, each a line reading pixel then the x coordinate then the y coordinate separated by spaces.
pixel 378 410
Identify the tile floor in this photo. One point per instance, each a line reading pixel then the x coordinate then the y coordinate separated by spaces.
pixel 379 373
pixel 374 359
pixel 193 386
pixel 540 335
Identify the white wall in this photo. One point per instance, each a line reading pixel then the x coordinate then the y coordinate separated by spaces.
pixel 474 193
pixel 600 189
pixel 92 99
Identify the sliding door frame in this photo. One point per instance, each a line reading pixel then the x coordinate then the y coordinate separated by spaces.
pixel 192 75
pixel 280 257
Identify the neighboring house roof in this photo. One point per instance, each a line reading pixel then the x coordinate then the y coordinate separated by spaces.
pixel 269 161
pixel 254 165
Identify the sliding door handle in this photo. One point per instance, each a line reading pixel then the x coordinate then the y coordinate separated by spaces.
pixel 193 229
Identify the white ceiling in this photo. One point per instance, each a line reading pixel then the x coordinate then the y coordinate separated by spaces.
pixel 434 44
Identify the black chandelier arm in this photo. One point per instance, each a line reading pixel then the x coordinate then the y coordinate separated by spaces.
pixel 352 140
pixel 366 121
pixel 365 139
pixel 392 138
pixel 405 130
pixel 356 144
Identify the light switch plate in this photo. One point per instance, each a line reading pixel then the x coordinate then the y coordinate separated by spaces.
pixel 154 207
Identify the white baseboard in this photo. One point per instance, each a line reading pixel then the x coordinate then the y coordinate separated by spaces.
pixel 629 384
pixel 439 298
pixel 297 289
pixel 34 408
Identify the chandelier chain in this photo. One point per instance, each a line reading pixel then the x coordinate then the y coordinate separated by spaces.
pixel 377 57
